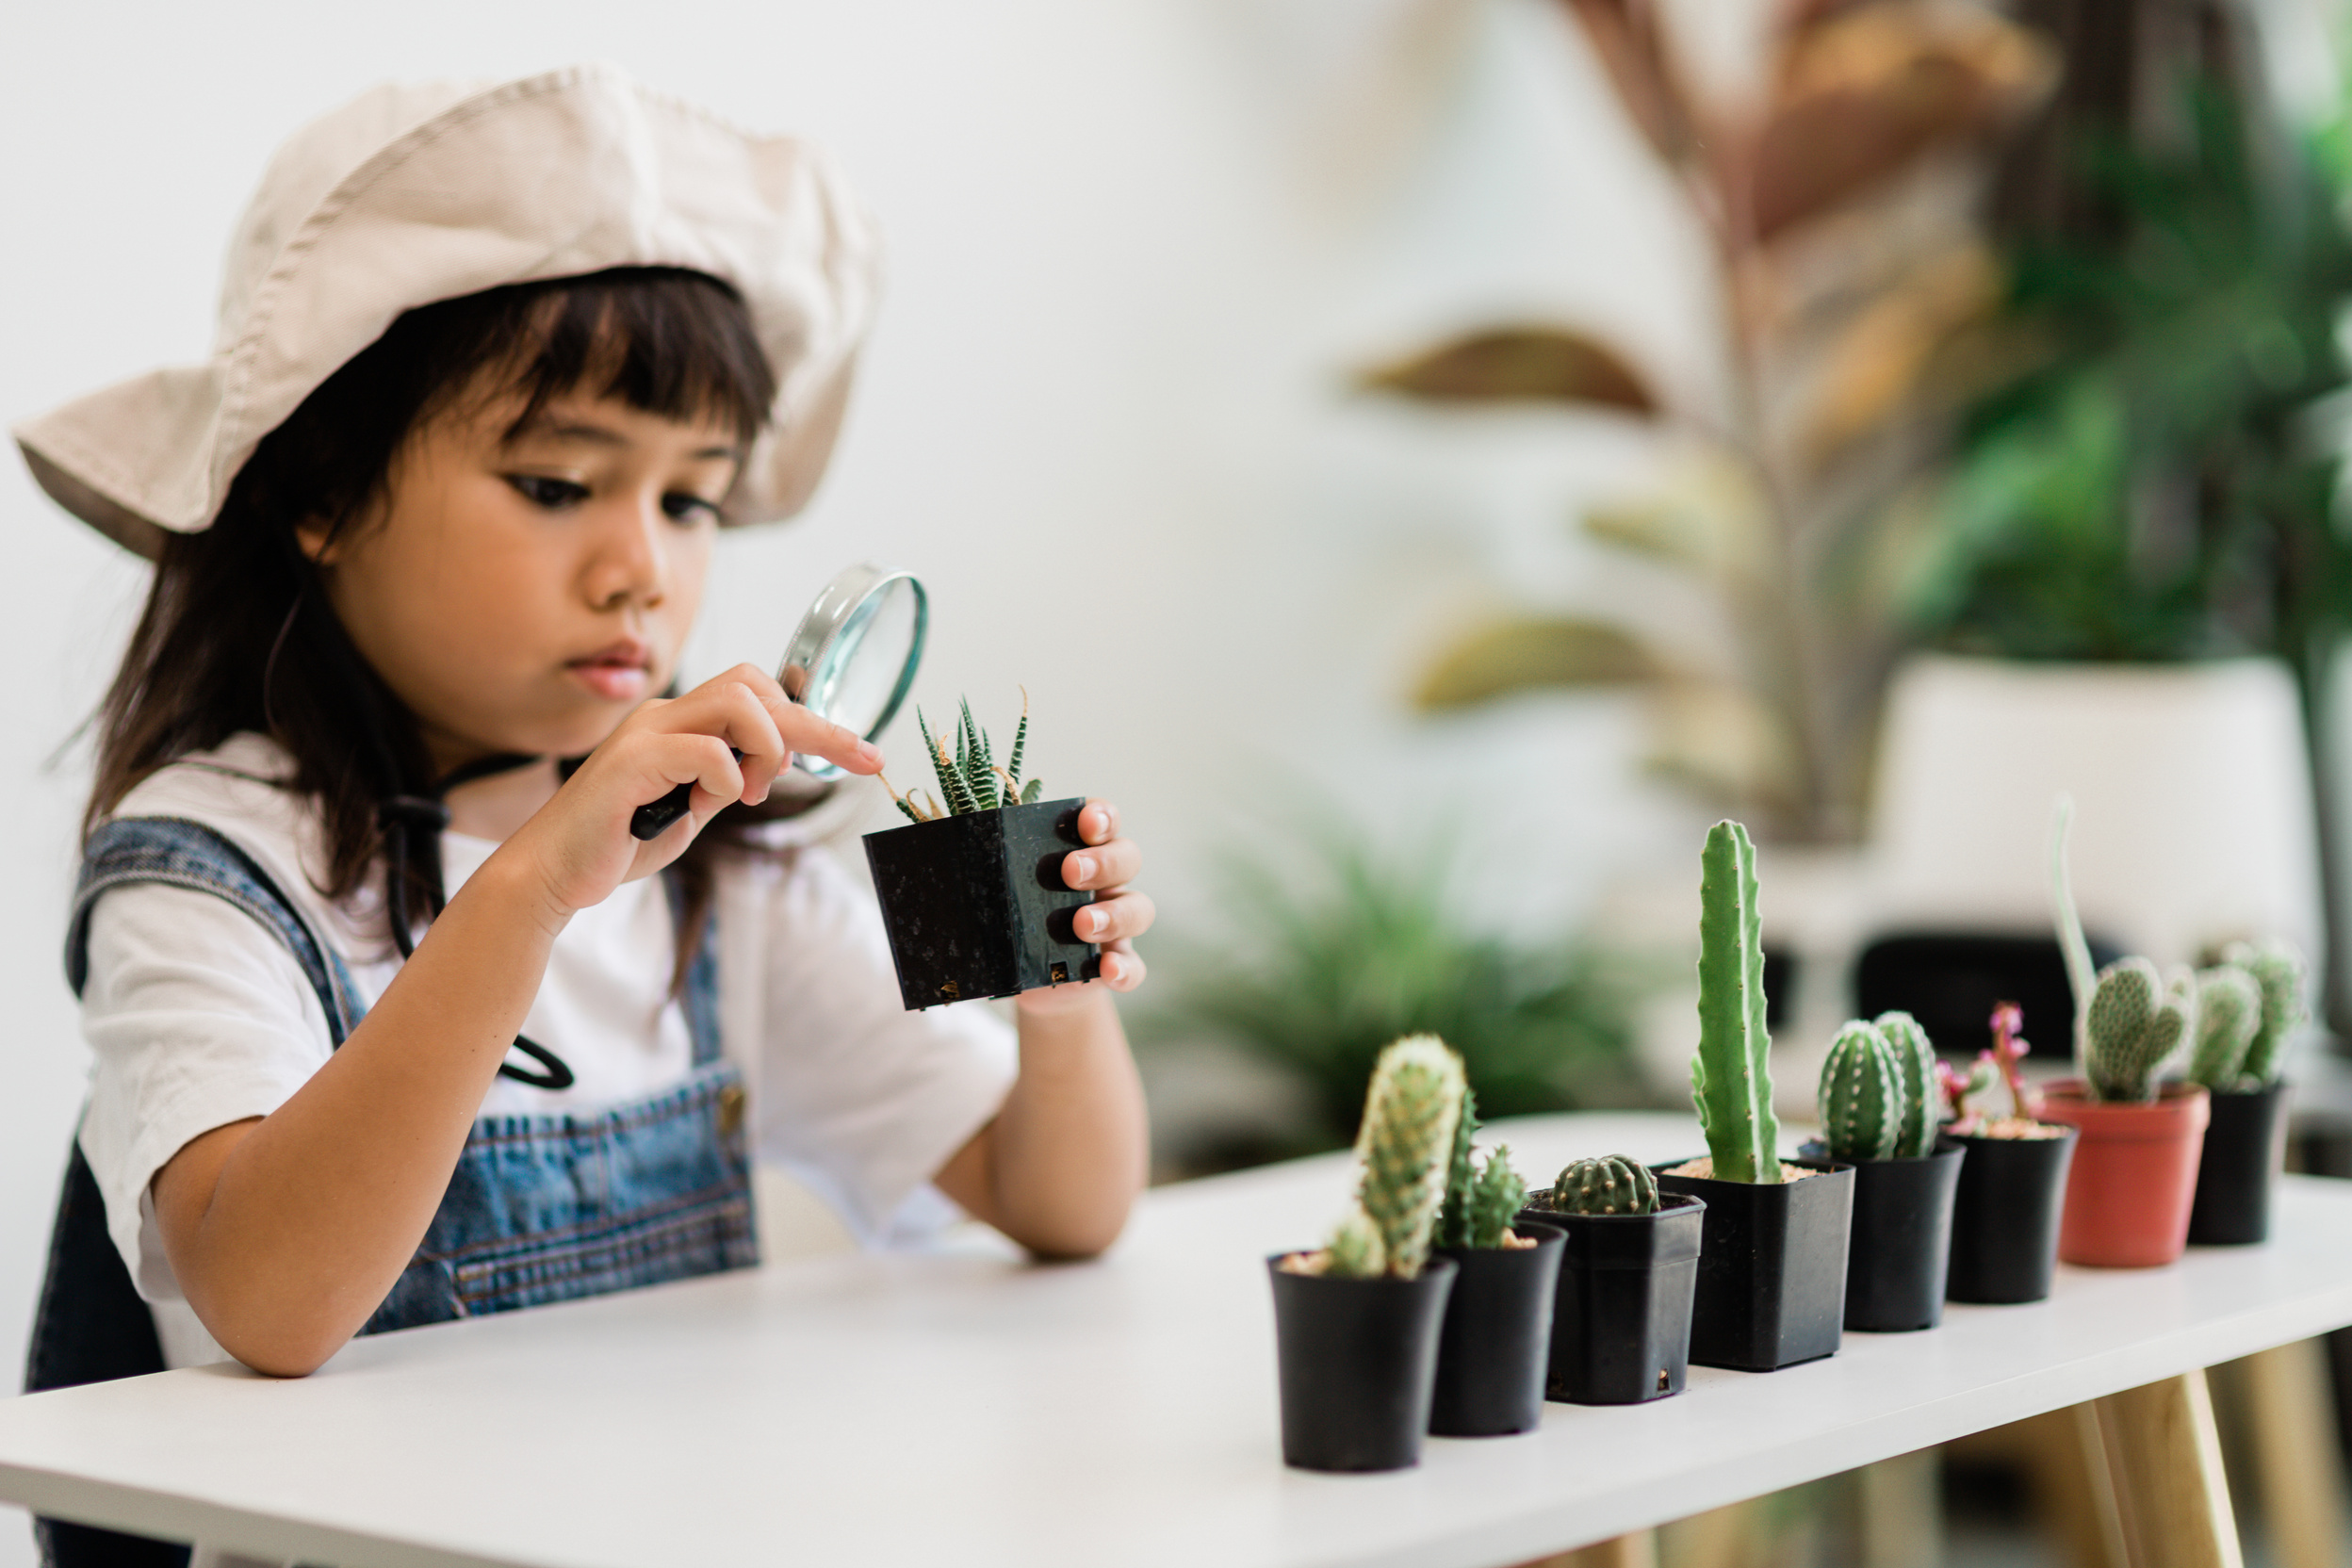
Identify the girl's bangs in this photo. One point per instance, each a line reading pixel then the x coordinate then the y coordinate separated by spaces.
pixel 664 341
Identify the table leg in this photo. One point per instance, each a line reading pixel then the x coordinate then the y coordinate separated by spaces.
pixel 2297 1468
pixel 1638 1550
pixel 2160 1457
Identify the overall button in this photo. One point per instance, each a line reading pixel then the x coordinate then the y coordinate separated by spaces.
pixel 730 1110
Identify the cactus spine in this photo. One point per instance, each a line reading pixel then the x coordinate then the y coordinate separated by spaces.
pixel 1878 1090
pixel 1408 1134
pixel 2277 968
pixel 1613 1183
pixel 2229 1015
pixel 1731 1082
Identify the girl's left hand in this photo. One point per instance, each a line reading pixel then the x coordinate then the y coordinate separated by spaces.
pixel 1116 918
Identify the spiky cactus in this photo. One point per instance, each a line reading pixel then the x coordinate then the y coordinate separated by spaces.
pixel 1494 1198
pixel 2229 1015
pixel 1861 1095
pixel 1731 1082
pixel 2136 1019
pixel 2128 1019
pixel 1614 1183
pixel 1878 1090
pixel 1408 1119
pixel 1355 1251
pixel 2279 969
pixel 1453 1216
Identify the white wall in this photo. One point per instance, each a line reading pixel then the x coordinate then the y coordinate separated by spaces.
pixel 1132 251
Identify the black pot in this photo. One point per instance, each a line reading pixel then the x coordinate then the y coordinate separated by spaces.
pixel 2004 1218
pixel 975 905
pixel 1901 1240
pixel 1358 1360
pixel 2246 1143
pixel 1771 1280
pixel 1621 1328
pixel 1498 1330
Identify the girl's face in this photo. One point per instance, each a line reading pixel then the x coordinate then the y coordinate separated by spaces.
pixel 524 594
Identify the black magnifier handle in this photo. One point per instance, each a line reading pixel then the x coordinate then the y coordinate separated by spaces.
pixel 653 819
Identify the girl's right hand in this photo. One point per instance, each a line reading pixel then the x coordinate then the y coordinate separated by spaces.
pixel 579 845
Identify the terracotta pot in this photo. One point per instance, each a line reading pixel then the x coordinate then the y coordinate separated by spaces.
pixel 2135 1175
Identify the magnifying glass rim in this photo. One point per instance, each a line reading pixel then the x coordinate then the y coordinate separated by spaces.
pixel 837 607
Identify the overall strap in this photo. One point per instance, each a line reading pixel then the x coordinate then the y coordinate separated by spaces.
pixel 699 996
pixel 185 854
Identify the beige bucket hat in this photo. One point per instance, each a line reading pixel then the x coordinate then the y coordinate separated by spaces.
pixel 411 194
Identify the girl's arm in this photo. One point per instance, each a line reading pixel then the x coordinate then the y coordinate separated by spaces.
pixel 1060 1164
pixel 285 1232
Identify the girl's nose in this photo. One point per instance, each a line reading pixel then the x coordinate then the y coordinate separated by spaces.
pixel 633 564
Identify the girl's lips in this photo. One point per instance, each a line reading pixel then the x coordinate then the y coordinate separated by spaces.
pixel 618 673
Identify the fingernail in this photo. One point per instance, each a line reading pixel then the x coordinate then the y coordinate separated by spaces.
pixel 1109 968
pixel 869 752
pixel 1098 921
pixel 1083 867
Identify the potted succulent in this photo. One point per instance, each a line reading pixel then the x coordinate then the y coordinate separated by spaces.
pixel 1771 1278
pixel 1356 1322
pixel 2013 1186
pixel 1498 1318
pixel 972 894
pixel 2134 1172
pixel 1621 1327
pixel 2247 1007
pixel 1879 1100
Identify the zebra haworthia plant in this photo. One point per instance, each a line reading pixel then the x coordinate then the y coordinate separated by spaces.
pixel 970 779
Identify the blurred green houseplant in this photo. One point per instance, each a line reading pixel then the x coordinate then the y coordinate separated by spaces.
pixel 1840 208
pixel 1347 950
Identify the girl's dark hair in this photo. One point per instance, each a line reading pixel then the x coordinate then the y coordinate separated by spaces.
pixel 238 635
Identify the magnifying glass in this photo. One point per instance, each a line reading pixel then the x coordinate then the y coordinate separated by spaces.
pixel 851 659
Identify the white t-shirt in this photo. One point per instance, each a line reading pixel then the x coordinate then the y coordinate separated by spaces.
pixel 199 1017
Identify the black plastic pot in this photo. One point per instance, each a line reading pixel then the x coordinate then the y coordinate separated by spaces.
pixel 2244 1145
pixel 975 905
pixel 1901 1240
pixel 1358 1361
pixel 1497 1333
pixel 2004 1218
pixel 1621 1328
pixel 1771 1280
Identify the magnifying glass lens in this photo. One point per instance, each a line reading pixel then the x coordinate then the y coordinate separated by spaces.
pixel 859 677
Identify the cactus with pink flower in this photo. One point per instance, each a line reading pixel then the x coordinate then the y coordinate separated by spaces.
pixel 1975 1105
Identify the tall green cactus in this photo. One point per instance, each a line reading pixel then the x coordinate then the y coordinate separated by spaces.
pixel 1878 1090
pixel 1614 1183
pixel 2136 1021
pixel 1408 1134
pixel 1453 1218
pixel 2279 969
pixel 2229 1015
pixel 1731 1080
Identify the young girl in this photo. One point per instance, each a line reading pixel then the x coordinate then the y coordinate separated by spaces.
pixel 395 1022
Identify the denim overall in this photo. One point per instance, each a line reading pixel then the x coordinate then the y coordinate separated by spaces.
pixel 540 1209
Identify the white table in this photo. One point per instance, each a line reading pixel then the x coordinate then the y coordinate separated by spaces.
pixel 967 1409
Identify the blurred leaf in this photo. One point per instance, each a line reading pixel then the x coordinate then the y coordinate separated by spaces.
pixel 1884 356
pixel 1532 653
pixel 1723 742
pixel 1708 519
pixel 1335 950
pixel 1632 48
pixel 1865 93
pixel 1518 365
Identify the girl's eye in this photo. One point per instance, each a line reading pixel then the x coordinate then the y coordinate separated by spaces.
pixel 684 506
pixel 555 495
